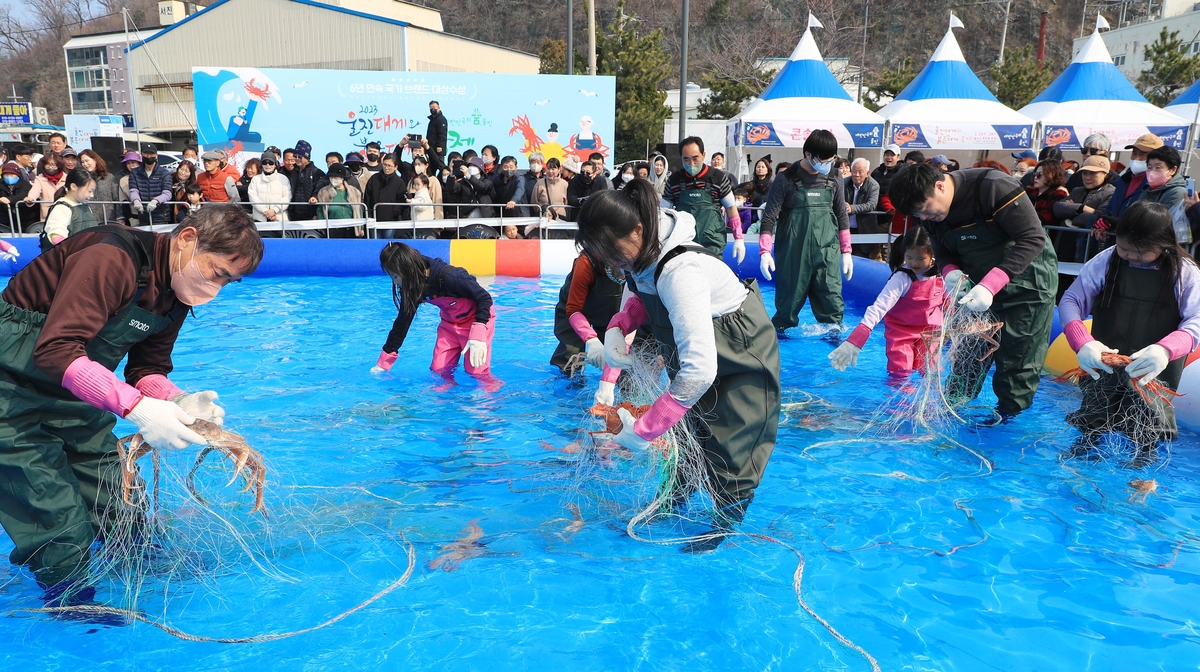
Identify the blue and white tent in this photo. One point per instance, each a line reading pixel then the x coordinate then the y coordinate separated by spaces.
pixel 1092 96
pixel 1184 107
pixel 804 97
pixel 947 107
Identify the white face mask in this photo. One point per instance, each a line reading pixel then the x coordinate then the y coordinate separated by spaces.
pixel 1137 167
pixel 336 182
pixel 473 171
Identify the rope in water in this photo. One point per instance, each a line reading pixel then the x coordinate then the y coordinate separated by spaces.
pixel 271 637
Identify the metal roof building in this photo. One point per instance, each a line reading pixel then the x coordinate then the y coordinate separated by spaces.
pixel 381 35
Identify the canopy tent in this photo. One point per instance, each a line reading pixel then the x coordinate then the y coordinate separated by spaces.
pixel 1185 104
pixel 1092 96
pixel 947 107
pixel 804 97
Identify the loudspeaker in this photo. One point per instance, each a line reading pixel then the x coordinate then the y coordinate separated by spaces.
pixel 111 150
pixel 671 151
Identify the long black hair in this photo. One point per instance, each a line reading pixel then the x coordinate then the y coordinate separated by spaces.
pixel 916 237
pixel 400 260
pixel 1146 225
pixel 610 216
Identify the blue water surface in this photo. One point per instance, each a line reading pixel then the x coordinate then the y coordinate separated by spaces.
pixel 1038 565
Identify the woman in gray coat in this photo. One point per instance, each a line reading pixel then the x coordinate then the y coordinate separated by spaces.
pixel 103 207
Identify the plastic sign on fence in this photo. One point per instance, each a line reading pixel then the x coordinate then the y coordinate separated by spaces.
pixel 81 128
pixel 248 109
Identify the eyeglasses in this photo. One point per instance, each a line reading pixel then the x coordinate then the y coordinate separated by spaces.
pixel 1037 174
pixel 1092 151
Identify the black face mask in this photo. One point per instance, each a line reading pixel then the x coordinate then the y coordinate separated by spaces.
pixel 149 160
pixel 432 112
pixel 372 156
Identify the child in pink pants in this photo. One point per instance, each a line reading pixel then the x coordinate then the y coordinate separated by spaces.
pixel 909 306
pixel 468 315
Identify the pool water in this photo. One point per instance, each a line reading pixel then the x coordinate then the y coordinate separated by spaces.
pixel 1039 564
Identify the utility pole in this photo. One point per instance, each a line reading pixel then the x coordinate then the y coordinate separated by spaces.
pixel 591 5
pixel 1004 31
pixel 862 61
pixel 570 37
pixel 1041 52
pixel 137 131
pixel 683 74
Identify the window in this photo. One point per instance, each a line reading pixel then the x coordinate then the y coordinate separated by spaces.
pixel 77 58
pixel 89 79
pixel 91 100
pixel 1119 60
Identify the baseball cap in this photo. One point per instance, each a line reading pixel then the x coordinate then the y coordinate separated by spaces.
pixel 1146 142
pixel 1026 154
pixel 940 160
pixel 893 148
pixel 1097 164
pixel 69 151
pixel 131 156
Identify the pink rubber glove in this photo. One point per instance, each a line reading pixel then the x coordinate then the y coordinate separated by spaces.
pixel 844 239
pixel 661 416
pixel 583 329
pixel 610 375
pixel 99 387
pixel 947 268
pixel 735 224
pixel 859 336
pixel 7 247
pixel 386 360
pixel 994 281
pixel 158 386
pixel 478 332
pixel 1077 334
pixel 1178 344
pixel 632 316
pixel 766 242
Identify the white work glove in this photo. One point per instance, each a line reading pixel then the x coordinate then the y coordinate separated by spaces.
pixel 9 253
pixel 844 355
pixel 477 350
pixel 1148 363
pixel 958 281
pixel 202 406
pixel 628 437
pixel 766 264
pixel 137 207
pixel 595 352
pixel 739 250
pixel 151 205
pixel 606 394
pixel 378 369
pixel 616 352
pixel 1089 358
pixel 847 265
pixel 163 424
pixel 977 299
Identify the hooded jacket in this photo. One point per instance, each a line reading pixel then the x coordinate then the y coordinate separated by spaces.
pixel 694 288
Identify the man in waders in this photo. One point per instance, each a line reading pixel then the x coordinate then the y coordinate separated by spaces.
pixel 814 235
pixel 702 191
pixel 992 250
pixel 66 322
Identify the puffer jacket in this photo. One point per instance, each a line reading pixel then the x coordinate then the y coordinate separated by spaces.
pixel 270 191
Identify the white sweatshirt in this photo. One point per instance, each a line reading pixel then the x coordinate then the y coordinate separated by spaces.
pixel 694 288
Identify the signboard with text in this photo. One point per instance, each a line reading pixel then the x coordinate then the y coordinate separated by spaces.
pixel 249 109
pixel 81 128
pixel 16 113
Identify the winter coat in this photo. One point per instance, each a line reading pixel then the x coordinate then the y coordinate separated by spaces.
pixel 1043 203
pixel 155 186
pixel 107 189
pixel 547 193
pixel 354 199
pixel 384 188
pixel 304 188
pixel 16 215
pixel 45 190
pixel 1067 210
pixel 422 213
pixel 270 191
pixel 437 133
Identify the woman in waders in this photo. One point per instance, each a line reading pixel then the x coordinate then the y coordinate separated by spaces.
pixel 70 214
pixel 809 206
pixel 714 336
pixel 66 322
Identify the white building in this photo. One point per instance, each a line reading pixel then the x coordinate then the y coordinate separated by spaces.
pixel 1127 42
pixel 97 77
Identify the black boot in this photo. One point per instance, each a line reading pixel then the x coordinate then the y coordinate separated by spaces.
pixel 724 521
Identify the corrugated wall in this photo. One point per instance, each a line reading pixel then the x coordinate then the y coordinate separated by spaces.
pixel 284 34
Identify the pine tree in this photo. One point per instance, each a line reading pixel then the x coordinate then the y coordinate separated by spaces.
pixel 727 95
pixel 888 84
pixel 1018 79
pixel 1173 68
pixel 553 56
pixel 640 65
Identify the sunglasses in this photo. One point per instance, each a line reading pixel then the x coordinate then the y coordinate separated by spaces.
pixel 1092 151
pixel 269 163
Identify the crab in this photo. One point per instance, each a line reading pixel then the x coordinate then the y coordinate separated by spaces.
pixel 247 461
pixel 988 332
pixel 612 421
pixel 1141 489
pixel 1159 391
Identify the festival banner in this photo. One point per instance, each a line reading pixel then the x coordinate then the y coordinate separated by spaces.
pixel 248 109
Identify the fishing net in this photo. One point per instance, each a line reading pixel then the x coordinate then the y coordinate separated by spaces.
pixel 188 550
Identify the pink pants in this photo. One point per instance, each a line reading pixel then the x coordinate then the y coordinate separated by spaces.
pixel 906 348
pixel 452 338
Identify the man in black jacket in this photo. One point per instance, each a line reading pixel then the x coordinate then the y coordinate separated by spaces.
pixel 437 134
pixel 304 192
